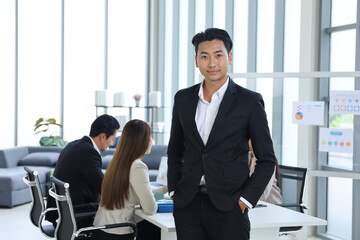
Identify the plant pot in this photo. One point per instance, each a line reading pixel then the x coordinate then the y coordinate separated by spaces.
pixel 137 103
pixel 52 141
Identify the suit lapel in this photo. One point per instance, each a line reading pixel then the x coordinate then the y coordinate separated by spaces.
pixel 225 106
pixel 192 112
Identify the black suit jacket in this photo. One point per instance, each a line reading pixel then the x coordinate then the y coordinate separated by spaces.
pixel 79 164
pixel 224 158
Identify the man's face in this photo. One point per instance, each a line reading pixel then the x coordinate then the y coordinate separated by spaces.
pixel 106 142
pixel 213 60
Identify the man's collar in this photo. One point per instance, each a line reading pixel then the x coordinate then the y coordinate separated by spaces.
pixel 220 92
pixel 95 146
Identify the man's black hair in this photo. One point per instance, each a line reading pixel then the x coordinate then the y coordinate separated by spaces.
pixel 211 34
pixel 104 124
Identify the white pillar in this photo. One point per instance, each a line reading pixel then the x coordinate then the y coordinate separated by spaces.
pixel 308 91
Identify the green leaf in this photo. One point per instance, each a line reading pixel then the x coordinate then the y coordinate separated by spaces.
pixel 51 120
pixel 57 124
pixel 39 121
pixel 41 131
pixel 40 125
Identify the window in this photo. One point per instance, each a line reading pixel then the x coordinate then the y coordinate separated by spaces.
pixel 184 44
pixel 83 64
pixel 291 86
pixel 338 54
pixel 127 52
pixel 7 73
pixel 241 36
pixel 54 74
pixel 265 52
pixel 38 65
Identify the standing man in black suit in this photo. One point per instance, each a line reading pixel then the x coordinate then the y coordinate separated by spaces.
pixel 79 164
pixel 208 166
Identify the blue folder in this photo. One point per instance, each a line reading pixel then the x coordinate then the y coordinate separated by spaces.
pixel 165 205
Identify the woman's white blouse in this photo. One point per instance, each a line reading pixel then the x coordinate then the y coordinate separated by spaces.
pixel 140 192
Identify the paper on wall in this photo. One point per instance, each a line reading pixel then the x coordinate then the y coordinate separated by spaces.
pixel 336 140
pixel 308 113
pixel 345 102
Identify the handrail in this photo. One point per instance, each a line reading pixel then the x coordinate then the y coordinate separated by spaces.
pixel 338 174
pixel 295 74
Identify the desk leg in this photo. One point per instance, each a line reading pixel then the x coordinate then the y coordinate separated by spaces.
pixel 168 235
pixel 264 233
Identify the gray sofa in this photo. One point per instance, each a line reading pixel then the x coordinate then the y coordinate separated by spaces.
pixel 13 191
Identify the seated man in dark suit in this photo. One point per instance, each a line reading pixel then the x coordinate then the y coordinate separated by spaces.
pixel 79 164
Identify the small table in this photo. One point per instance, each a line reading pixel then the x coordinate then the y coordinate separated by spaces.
pixel 265 221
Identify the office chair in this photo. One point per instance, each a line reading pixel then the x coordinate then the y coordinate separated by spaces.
pixel 38 207
pixel 292 182
pixel 66 228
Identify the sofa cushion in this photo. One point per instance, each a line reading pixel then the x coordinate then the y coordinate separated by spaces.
pixel 40 159
pixel 11 178
pixel 152 160
pixel 10 157
pixel 105 161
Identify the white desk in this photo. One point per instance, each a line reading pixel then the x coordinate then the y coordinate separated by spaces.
pixel 265 221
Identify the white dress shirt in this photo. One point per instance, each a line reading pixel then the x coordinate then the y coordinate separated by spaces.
pixel 95 146
pixel 206 113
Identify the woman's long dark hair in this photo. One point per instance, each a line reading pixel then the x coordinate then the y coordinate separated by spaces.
pixel 133 144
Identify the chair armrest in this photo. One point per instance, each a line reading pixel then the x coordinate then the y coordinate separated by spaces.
pixel 109 226
pixel 304 206
pixel 301 206
pixel 28 182
pixel 42 216
pixel 49 210
pixel 46 231
pixel 290 205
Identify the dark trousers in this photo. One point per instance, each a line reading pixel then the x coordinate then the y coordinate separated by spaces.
pixel 101 235
pixel 200 220
pixel 146 231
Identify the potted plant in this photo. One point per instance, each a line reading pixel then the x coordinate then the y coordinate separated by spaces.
pixel 43 125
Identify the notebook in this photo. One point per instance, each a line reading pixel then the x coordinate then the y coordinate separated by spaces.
pixel 161 179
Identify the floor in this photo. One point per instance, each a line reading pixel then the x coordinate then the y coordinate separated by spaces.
pixel 15 224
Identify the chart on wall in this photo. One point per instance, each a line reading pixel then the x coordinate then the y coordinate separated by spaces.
pixel 308 113
pixel 345 102
pixel 336 140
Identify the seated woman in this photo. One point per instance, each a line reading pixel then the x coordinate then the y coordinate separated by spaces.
pixel 272 191
pixel 126 184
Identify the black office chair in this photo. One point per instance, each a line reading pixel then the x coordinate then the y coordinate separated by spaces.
pixel 66 228
pixel 292 182
pixel 38 207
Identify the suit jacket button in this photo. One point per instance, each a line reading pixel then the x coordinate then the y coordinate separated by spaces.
pixel 204 155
